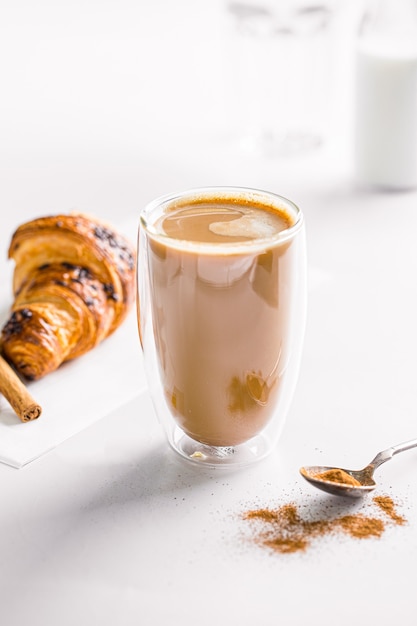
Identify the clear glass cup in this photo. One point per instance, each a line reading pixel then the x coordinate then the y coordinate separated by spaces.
pixel 221 322
pixel 280 56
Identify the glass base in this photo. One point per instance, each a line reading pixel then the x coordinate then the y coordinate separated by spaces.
pixel 271 144
pixel 198 453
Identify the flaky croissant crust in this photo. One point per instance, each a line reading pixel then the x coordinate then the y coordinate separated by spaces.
pixel 73 284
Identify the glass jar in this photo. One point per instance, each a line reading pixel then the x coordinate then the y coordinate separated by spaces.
pixel 385 135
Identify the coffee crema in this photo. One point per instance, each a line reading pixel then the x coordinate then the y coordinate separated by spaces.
pixel 222 222
pixel 221 314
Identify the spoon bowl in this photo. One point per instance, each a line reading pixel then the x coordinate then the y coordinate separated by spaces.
pixel 351 483
pixel 316 475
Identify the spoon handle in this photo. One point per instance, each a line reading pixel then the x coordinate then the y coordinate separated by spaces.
pixel 386 455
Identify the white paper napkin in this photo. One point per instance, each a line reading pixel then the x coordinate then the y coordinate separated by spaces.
pixel 76 395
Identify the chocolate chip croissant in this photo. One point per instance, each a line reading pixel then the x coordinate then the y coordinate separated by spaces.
pixel 73 285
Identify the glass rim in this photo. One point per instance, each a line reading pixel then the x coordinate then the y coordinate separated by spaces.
pixel 268 198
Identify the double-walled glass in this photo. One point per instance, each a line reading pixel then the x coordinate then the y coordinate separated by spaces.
pixel 221 318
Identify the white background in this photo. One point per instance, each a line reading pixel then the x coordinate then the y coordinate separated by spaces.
pixel 105 105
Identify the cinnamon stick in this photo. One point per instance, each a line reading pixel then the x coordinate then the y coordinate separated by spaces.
pixel 15 392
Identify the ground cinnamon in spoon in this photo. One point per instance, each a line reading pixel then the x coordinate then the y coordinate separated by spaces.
pixel 284 530
pixel 338 476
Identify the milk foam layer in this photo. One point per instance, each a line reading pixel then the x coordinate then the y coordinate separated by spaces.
pixel 251 225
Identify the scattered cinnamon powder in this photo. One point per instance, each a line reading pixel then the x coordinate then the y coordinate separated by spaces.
pixel 284 530
pixel 338 476
pixel 360 526
pixel 386 504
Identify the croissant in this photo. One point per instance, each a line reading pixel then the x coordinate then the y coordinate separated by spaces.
pixel 73 285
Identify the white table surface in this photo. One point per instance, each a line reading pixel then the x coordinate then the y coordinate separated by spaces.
pixel 103 108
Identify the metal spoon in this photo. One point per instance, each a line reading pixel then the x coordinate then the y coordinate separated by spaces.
pixel 364 476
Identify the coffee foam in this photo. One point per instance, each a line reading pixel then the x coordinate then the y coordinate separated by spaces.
pixel 251 226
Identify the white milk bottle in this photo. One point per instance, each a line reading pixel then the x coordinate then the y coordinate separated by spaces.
pixel 385 135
